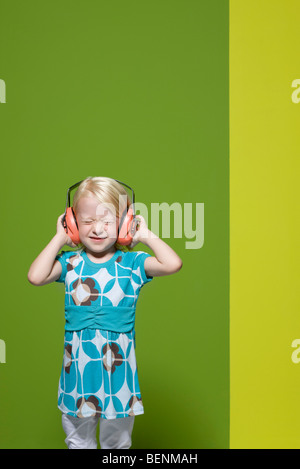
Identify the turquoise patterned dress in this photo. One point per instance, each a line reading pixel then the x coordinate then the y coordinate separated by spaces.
pixel 99 371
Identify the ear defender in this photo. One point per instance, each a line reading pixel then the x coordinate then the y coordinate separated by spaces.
pixel 127 226
pixel 71 226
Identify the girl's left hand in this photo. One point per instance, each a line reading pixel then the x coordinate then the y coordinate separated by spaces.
pixel 142 231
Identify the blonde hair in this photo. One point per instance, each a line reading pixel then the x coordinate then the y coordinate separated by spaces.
pixel 106 191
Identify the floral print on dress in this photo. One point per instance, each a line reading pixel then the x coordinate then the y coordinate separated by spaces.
pixel 135 405
pixel 112 357
pixel 99 375
pixel 73 262
pixel 88 407
pixel 68 358
pixel 84 292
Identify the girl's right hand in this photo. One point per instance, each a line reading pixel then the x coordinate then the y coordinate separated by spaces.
pixel 62 233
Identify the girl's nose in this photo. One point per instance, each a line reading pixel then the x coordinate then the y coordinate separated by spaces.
pixel 98 227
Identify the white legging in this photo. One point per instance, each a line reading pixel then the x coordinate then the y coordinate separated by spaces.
pixel 81 432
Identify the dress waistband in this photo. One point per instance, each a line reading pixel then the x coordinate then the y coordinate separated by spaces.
pixel 110 318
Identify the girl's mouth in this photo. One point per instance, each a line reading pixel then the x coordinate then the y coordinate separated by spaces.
pixel 94 238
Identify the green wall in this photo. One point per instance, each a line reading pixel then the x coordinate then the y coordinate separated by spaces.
pixel 137 91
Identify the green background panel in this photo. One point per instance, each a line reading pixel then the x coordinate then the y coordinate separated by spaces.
pixel 137 91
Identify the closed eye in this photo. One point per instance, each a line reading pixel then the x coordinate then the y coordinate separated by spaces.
pixel 89 222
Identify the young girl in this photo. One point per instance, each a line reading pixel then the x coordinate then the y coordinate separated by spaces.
pixel 102 279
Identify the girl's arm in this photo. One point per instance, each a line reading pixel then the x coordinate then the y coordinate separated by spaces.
pixel 166 261
pixel 45 269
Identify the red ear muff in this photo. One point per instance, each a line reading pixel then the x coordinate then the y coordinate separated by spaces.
pixel 71 225
pixel 127 229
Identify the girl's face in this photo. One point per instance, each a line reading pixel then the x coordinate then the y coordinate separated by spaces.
pixel 97 224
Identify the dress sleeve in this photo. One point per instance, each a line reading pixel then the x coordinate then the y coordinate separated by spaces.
pixel 139 262
pixel 61 257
